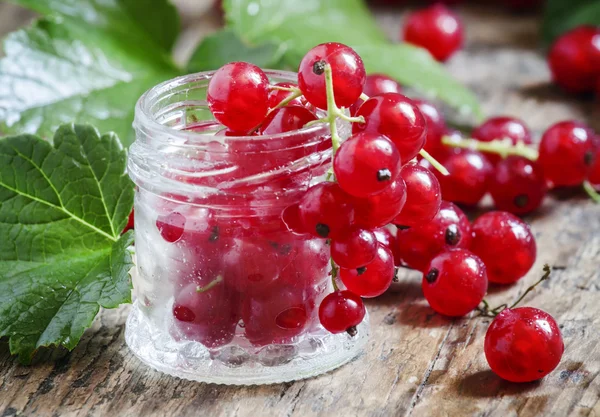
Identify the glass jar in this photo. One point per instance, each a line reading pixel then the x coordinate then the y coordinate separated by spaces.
pixel 225 293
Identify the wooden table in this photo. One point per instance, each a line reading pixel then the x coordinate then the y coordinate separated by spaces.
pixel 417 362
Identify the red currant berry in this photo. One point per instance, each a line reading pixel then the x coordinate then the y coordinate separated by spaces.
pixel 436 127
pixel 277 96
pixel 450 228
pixel 373 279
pixel 523 344
pixel 375 85
pixel 276 316
pixel 171 226
pixel 292 220
pixel 470 172
pixel 206 314
pixel 574 59
pixel 455 282
pixel 423 196
pixel 354 249
pixel 366 164
pixel 286 119
pixel 380 209
pixel 594 174
pixel 505 244
pixel 325 210
pixel 387 239
pixel 347 70
pixel 238 95
pixel 252 266
pixel 396 117
pixel 567 153
pixel 436 29
pixel 130 222
pixel 518 185
pixel 501 128
pixel 341 311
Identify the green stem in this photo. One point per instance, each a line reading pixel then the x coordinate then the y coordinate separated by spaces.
pixel 332 110
pixel 591 191
pixel 364 97
pixel 486 311
pixel 210 285
pixel 334 274
pixel 502 147
pixel 434 162
pixel 280 88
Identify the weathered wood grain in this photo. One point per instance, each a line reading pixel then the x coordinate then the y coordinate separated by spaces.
pixel 417 362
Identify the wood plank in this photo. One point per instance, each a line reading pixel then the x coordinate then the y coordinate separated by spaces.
pixel 417 363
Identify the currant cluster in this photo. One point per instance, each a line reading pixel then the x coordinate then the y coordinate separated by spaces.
pixel 273 285
pixel 500 160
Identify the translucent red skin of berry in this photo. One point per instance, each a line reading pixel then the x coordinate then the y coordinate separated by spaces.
pixel 423 196
pixel 375 85
pixel 374 279
pixel 386 238
pixel 594 174
pixel 326 204
pixel 574 59
pixel 435 28
pixel 566 153
pixel 360 161
pixel 455 282
pixel 277 96
pixel 237 95
pixel 396 117
pixel 292 220
pixel 380 209
pixel 209 317
pixel 130 222
pixel 286 119
pixel 450 228
pixel 436 127
pixel 523 344
pixel 171 226
pixel 341 310
pixel 354 249
pixel 500 128
pixel 518 185
pixel 347 69
pixel 505 244
pixel 470 173
pixel 276 316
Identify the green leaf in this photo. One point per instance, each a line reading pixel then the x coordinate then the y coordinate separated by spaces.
pixel 84 63
pixel 300 25
pixel 563 15
pixel 154 23
pixel 62 208
pixel 225 46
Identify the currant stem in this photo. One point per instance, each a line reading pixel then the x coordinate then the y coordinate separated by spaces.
pixel 591 191
pixel 280 88
pixel 295 94
pixel 364 97
pixel 334 274
pixel 210 285
pixel 332 110
pixel 434 162
pixel 485 311
pixel 544 277
pixel 503 147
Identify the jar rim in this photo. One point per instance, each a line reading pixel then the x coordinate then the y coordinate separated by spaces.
pixel 145 118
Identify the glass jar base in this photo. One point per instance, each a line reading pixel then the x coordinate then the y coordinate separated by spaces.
pixel 314 354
